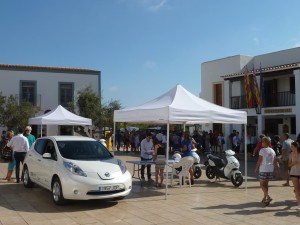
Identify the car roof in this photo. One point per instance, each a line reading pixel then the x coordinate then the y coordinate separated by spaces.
pixel 69 138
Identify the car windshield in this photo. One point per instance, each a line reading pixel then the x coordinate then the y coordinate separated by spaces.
pixel 83 150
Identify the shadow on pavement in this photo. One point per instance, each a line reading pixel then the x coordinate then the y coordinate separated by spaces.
pixel 251 208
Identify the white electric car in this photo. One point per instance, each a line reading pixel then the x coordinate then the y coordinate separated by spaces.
pixel 73 167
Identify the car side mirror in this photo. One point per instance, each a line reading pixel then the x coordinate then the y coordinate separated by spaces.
pixel 47 155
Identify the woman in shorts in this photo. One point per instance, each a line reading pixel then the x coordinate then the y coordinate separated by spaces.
pixel 11 164
pixel 265 166
pixel 294 164
pixel 160 161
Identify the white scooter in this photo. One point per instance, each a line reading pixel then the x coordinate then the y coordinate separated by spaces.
pixel 217 168
pixel 196 167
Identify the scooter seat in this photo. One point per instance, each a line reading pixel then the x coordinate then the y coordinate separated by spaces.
pixel 218 161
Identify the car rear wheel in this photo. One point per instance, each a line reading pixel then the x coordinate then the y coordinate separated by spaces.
pixel 57 193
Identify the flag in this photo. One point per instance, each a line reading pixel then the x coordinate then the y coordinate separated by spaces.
pixel 256 90
pixel 262 89
pixel 247 88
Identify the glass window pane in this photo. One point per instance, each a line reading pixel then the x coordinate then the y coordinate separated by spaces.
pixel 28 92
pixel 66 94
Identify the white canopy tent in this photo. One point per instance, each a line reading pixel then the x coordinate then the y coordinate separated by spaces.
pixel 179 106
pixel 60 116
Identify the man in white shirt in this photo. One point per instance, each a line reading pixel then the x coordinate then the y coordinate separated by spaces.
pixel 147 150
pixel 20 146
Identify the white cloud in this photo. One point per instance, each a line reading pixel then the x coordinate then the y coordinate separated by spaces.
pixel 113 88
pixel 256 40
pixel 150 64
pixel 154 5
pixel 297 44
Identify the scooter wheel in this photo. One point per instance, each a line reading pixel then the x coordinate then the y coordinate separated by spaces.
pixel 238 180
pixel 197 172
pixel 210 173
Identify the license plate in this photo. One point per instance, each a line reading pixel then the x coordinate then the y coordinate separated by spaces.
pixel 109 188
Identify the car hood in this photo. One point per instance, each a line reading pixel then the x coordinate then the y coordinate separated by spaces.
pixel 106 169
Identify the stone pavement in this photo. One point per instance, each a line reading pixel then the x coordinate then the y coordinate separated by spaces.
pixel 204 203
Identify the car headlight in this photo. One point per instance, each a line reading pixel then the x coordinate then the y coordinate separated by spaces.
pixel 122 166
pixel 74 169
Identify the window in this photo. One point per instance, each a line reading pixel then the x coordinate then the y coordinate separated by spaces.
pixel 218 95
pixel 40 146
pixel 292 85
pixel 66 91
pixel 28 92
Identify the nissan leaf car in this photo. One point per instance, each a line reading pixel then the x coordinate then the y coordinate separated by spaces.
pixel 73 167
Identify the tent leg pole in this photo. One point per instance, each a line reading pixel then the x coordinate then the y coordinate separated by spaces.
pixel 246 154
pixel 167 158
pixel 114 138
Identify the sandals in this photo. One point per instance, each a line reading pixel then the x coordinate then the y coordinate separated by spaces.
pixel 267 200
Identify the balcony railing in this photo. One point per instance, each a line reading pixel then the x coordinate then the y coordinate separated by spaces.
pixel 278 99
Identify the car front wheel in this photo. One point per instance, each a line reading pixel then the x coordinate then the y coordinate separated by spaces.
pixel 57 193
pixel 27 181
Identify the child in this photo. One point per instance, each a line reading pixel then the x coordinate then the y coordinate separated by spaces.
pixel 160 160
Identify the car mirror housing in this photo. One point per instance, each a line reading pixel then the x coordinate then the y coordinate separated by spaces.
pixel 47 156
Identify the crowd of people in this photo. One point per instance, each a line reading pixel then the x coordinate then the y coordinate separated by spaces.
pixel 18 145
pixel 273 152
pixel 206 141
pixel 272 155
pixel 153 148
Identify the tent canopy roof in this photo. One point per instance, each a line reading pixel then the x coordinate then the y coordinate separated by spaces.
pixel 60 116
pixel 180 106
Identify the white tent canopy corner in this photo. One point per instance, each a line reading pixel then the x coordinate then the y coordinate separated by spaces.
pixel 179 106
pixel 60 116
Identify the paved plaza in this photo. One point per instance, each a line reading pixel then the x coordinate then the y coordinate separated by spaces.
pixel 204 203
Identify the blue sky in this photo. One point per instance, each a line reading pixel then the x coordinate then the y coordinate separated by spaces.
pixel 143 47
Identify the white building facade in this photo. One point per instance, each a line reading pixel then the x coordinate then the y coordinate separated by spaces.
pixel 47 87
pixel 278 78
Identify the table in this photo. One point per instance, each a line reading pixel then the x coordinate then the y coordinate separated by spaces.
pixel 137 167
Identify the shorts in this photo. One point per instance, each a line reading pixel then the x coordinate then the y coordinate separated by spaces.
pixel 266 176
pixel 159 166
pixel 285 164
pixel 11 165
pixel 295 176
